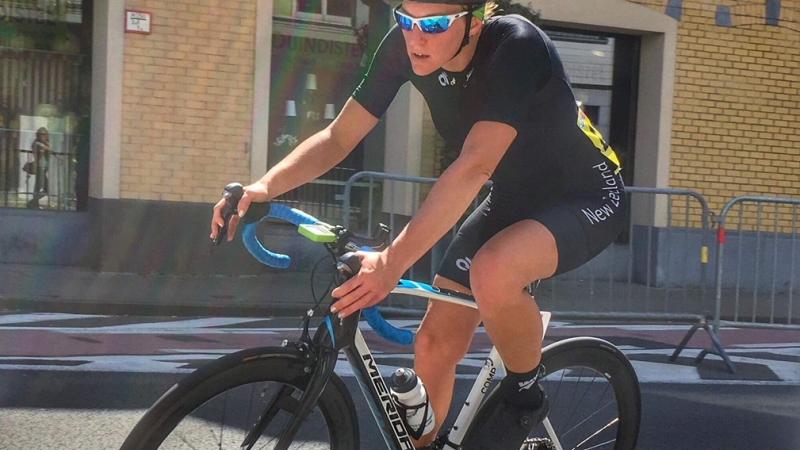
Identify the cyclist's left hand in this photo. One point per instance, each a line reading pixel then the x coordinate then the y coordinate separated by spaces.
pixel 370 286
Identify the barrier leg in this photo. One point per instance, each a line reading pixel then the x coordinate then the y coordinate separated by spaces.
pixel 685 341
pixel 717 349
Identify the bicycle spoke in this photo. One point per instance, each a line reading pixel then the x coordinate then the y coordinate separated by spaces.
pixel 265 444
pixel 612 423
pixel 252 397
pixel 601 445
pixel 597 411
pixel 187 443
pixel 586 415
pixel 214 435
pixel 226 421
pixel 222 421
pixel 585 391
pixel 558 386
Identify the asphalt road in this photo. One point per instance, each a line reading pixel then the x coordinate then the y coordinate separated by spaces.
pixel 78 382
pixel 73 410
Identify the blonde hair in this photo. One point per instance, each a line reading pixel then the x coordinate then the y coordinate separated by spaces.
pixel 484 12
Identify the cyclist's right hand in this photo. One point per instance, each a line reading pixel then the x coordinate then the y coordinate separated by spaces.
pixel 253 193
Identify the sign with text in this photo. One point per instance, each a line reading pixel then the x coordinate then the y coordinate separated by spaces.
pixel 137 21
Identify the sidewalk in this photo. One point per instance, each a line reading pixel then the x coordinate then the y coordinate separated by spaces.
pixel 287 294
pixel 79 289
pixel 279 292
pixel 110 343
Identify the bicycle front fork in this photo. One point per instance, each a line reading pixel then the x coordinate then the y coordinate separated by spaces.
pixel 320 361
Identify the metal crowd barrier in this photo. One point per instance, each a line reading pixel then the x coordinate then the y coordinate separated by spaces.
pixel 758 263
pixel 653 269
pixel 657 271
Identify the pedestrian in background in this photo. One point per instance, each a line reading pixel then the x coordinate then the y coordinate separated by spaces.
pixel 41 159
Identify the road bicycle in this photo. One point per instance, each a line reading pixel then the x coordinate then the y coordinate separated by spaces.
pixel 290 397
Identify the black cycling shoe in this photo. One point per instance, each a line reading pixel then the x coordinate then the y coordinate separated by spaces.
pixel 500 425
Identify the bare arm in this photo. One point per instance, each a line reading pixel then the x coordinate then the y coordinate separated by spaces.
pixel 483 149
pixel 457 187
pixel 312 158
pixel 320 152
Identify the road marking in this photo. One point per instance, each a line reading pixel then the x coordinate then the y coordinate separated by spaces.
pixel 175 360
pixel 42 317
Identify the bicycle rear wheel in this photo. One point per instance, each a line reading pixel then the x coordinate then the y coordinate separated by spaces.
pixel 218 405
pixel 594 398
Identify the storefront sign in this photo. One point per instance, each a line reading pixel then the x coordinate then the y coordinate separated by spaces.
pixel 137 21
pixel 315 47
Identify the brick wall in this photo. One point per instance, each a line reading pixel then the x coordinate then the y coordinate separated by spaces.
pixel 737 91
pixel 187 99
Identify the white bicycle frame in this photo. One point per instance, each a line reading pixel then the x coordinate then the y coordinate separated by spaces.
pixel 373 386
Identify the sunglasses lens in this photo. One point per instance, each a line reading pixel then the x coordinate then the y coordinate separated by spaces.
pixel 405 22
pixel 438 24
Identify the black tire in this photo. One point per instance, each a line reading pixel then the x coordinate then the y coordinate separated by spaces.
pixel 225 391
pixel 603 387
pixel 593 394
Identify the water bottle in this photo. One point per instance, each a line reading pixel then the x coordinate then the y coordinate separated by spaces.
pixel 411 398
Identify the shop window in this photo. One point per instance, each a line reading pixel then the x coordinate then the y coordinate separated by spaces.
pixel 69 11
pixel 45 85
pixel 311 81
pixel 336 12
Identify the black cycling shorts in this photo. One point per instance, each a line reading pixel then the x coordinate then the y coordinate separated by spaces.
pixel 583 226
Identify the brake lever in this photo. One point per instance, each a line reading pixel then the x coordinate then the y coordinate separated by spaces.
pixel 382 237
pixel 232 194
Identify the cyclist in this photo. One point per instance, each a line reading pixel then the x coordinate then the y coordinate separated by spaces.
pixel 497 90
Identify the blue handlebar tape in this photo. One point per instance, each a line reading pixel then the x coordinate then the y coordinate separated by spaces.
pixel 385 329
pixel 291 215
pixel 259 252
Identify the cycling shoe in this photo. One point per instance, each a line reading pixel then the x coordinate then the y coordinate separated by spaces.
pixel 500 425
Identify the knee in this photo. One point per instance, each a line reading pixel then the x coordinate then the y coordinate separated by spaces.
pixel 489 279
pixel 436 348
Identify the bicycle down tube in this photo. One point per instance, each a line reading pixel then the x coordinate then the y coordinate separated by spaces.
pixel 371 381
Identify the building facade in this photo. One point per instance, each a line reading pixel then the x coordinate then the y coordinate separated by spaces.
pixel 152 106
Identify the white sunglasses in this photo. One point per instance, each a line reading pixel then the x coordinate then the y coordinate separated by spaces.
pixel 430 24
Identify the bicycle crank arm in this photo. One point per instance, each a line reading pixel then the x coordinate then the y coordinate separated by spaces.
pixel 319 379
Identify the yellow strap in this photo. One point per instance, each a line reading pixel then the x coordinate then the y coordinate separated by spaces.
pixel 597 139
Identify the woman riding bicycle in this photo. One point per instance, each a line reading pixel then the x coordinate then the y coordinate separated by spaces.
pixel 497 90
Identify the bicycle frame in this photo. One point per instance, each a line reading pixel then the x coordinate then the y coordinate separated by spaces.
pixel 320 353
pixel 376 390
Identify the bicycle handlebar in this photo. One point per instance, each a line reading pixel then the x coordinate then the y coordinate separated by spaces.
pixel 254 246
pixel 385 329
pixel 258 212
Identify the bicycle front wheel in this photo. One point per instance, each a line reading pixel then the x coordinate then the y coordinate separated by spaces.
pixel 217 407
pixel 594 398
